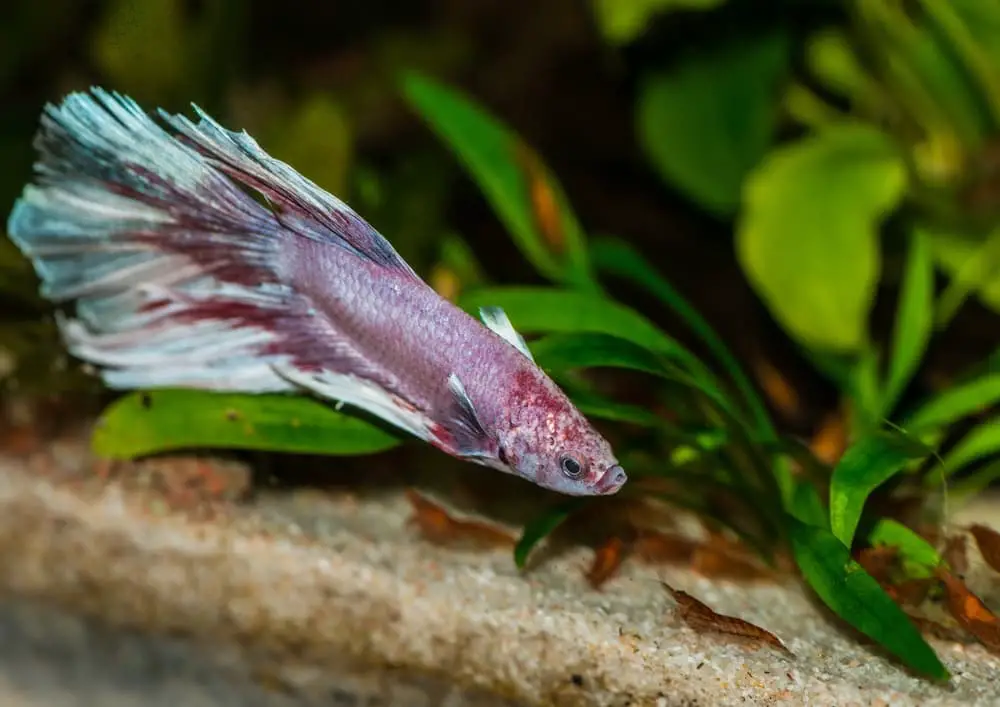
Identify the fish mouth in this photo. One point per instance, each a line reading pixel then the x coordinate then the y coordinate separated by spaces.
pixel 612 480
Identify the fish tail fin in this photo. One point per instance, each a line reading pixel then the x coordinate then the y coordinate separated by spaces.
pixel 174 269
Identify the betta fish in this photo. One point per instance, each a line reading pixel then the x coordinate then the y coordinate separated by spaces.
pixel 197 260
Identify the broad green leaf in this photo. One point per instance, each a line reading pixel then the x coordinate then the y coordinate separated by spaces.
pixel 807 239
pixel 953 405
pixel 856 597
pixel 163 420
pixel 521 189
pixel 708 121
pixel 543 526
pixel 866 465
pixel 543 310
pixel 983 441
pixel 914 320
pixel 919 556
pixel 619 258
pixel 621 21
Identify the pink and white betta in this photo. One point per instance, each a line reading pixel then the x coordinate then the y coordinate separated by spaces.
pixel 182 279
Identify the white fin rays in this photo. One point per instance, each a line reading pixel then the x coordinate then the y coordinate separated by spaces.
pixel 496 320
pixel 345 388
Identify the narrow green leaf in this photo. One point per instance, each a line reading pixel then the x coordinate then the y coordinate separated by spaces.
pixel 974 484
pixel 708 121
pixel 856 597
pixel 621 21
pixel 866 465
pixel 808 235
pixel 164 420
pixel 973 263
pixel 561 352
pixel 983 441
pixel 597 406
pixel 542 310
pixel 919 556
pixel 914 320
pixel 522 190
pixel 806 504
pixel 953 405
pixel 543 526
pixel 619 258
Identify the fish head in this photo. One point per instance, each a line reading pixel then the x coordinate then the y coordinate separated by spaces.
pixel 550 443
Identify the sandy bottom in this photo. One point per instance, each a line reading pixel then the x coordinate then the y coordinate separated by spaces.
pixel 288 589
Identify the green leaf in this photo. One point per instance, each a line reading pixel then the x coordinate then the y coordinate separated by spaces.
pixel 621 21
pixel 919 556
pixel 619 258
pixel 707 122
pixel 543 310
pixel 164 420
pixel 597 406
pixel 974 266
pixel 866 465
pixel 914 321
pixel 316 138
pixel 807 239
pixel 983 441
pixel 521 189
pixel 562 352
pixel 952 405
pixel 856 597
pixel 543 526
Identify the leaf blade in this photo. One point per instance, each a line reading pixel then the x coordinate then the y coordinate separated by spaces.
pixel 707 122
pixel 914 320
pixel 836 186
pixel 172 419
pixel 522 190
pixel 856 597
pixel 866 465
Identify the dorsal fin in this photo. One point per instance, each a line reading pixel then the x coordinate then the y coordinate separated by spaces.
pixel 496 321
pixel 305 208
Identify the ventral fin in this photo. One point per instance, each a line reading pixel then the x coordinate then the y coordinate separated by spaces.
pixel 469 437
pixel 346 388
pixel 496 321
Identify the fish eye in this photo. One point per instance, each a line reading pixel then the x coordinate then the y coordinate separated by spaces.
pixel 571 467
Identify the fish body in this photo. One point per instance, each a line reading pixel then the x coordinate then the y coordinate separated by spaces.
pixel 182 278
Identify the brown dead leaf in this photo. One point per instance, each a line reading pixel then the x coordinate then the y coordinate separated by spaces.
pixel 970 612
pixel 608 557
pixel 911 592
pixel 544 201
pixel 988 541
pixel 879 562
pixel 956 553
pixel 830 440
pixel 701 618
pixel 438 526
pixel 778 390
pixel 722 558
pixel 655 547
